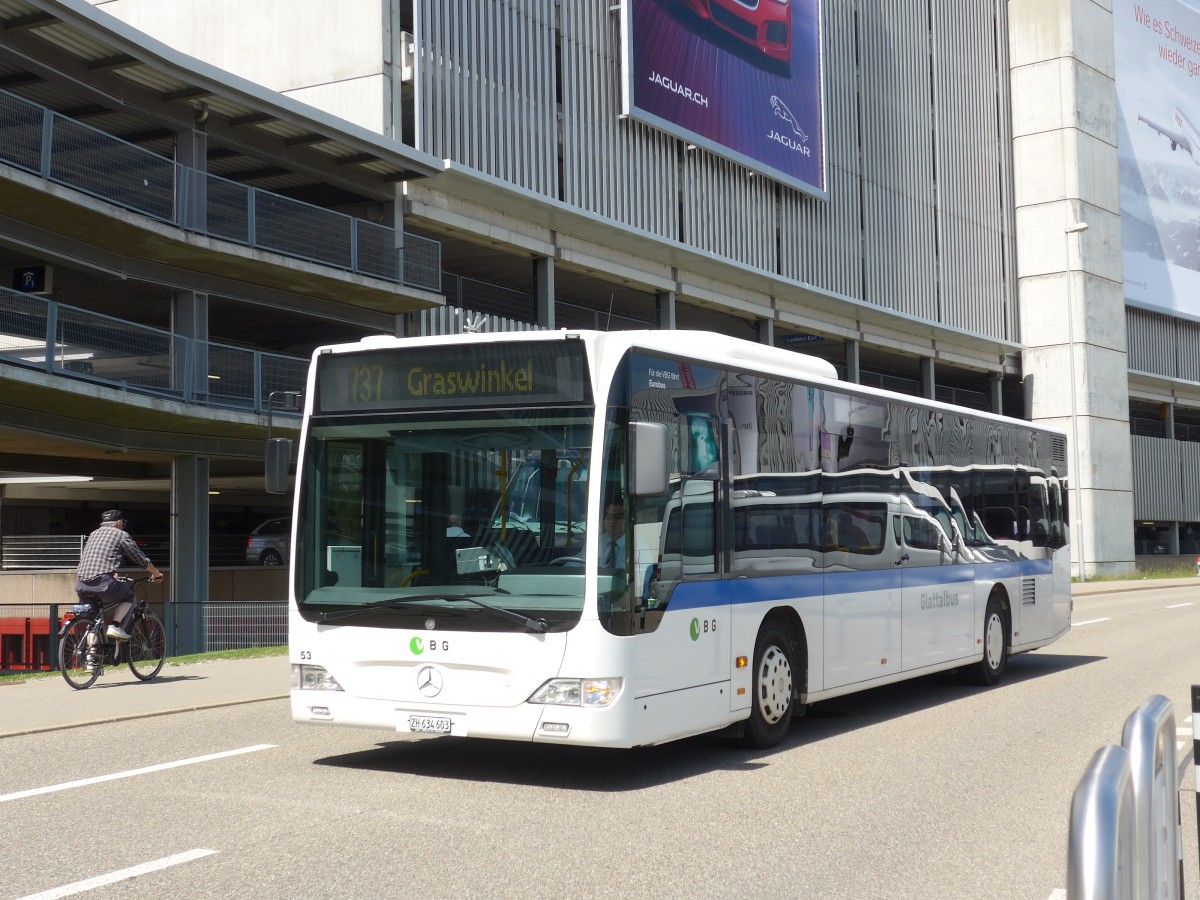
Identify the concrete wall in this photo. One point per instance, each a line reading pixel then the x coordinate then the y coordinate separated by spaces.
pixel 1071 285
pixel 335 56
pixel 247 584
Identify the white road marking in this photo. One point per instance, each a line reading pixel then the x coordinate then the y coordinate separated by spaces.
pixel 68 890
pixel 83 782
pixel 1091 622
pixel 1180 605
pixel 1058 894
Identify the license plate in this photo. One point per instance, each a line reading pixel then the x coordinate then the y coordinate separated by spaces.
pixel 429 724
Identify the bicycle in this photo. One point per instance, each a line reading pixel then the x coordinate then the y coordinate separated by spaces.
pixel 84 649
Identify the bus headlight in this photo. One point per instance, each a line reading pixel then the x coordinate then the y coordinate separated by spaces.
pixel 578 692
pixel 312 678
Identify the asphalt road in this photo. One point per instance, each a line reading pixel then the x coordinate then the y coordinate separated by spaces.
pixel 933 789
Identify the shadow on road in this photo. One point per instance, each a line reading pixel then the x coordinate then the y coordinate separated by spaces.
pixel 608 771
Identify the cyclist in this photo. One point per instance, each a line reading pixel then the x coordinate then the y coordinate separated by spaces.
pixel 103 554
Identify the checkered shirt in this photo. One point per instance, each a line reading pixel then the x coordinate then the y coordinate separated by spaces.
pixel 105 551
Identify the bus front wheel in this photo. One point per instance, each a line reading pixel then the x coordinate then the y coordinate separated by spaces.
pixel 773 702
pixel 995 644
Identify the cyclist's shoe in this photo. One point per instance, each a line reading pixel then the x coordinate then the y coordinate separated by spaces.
pixel 117 633
pixel 90 664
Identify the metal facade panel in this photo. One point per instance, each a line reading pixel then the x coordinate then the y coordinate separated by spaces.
pixel 917 146
pixel 1188 350
pixel 1189 472
pixel 967 70
pixel 1157 478
pixel 728 211
pixel 900 238
pixel 485 88
pixel 617 168
pixel 1151 341
pixel 820 241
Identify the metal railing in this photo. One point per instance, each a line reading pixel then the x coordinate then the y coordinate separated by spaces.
pixel 29 631
pixel 68 152
pixel 65 340
pixel 61 551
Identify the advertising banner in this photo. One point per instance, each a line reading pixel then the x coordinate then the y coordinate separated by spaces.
pixel 742 78
pixel 1158 123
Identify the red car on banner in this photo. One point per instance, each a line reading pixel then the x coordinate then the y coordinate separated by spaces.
pixel 763 24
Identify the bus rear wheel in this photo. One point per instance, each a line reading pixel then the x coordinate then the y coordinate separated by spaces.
pixel 773 701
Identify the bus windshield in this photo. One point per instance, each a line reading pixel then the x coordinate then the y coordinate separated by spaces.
pixel 435 520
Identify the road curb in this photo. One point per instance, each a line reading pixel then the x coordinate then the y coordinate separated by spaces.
pixel 140 715
pixel 1126 586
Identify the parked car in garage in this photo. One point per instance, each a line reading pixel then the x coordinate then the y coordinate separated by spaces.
pixel 269 543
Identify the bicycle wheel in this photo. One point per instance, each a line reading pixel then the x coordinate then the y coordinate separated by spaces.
pixel 147 647
pixel 73 650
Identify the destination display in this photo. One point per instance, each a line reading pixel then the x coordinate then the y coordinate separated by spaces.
pixel 521 373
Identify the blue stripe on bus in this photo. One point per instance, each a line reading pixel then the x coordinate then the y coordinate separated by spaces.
pixel 805 586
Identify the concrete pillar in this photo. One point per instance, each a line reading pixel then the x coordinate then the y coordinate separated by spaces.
pixel 928 377
pixel 854 362
pixel 191 152
pixel 1070 280
pixel 543 289
pixel 189 554
pixel 189 320
pixel 996 392
pixel 665 308
pixel 764 331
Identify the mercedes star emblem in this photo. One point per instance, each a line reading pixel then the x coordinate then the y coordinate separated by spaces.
pixel 429 681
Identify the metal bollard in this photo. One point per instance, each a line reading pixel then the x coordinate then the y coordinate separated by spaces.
pixel 1101 840
pixel 1198 565
pixel 1149 736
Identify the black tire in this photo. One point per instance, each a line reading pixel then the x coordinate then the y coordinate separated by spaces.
pixel 995 644
pixel 73 655
pixel 773 699
pixel 147 647
pixel 271 558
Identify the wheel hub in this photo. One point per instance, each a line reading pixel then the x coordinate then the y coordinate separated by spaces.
pixel 995 641
pixel 774 685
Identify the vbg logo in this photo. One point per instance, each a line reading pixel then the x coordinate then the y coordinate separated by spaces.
pixel 703 626
pixel 417 646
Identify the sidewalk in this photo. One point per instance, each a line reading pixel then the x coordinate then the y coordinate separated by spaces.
pixel 49 703
pixel 1088 588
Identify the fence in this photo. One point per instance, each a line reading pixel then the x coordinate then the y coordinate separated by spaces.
pixel 61 551
pixel 64 340
pixel 29 632
pixel 94 162
pixel 1124 836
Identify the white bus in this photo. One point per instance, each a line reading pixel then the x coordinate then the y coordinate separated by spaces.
pixel 618 540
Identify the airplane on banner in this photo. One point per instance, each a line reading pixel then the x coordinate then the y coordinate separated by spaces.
pixel 1181 133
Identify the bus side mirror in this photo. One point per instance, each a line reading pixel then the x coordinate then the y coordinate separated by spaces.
pixel 278 459
pixel 649 459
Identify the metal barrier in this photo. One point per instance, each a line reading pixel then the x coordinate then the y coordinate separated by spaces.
pixel 94 162
pixel 1102 853
pixel 64 340
pixel 1196 755
pixel 29 632
pixel 1124 836
pixel 61 551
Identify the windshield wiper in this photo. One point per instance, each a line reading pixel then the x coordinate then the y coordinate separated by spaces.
pixel 393 604
pixel 537 626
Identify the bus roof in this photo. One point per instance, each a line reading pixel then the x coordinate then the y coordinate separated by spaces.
pixel 702 347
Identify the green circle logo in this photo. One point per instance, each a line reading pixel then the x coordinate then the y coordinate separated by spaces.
pixel 695 629
pixel 417 646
